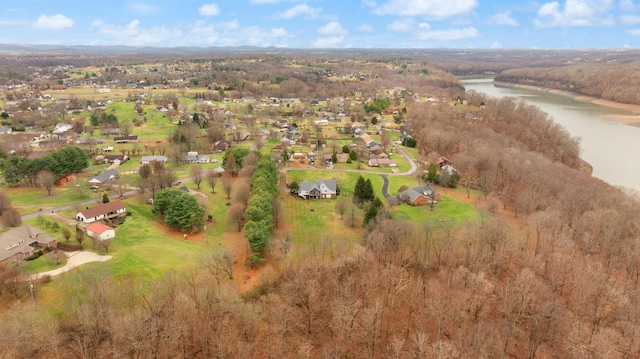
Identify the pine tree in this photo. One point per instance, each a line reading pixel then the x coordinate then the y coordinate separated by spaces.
pixel 358 191
pixel 367 194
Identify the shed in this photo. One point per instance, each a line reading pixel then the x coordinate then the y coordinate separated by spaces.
pixel 100 231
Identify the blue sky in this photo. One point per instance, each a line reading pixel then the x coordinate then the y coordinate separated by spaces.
pixel 324 23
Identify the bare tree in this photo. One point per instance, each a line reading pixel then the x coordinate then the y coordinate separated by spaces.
pixel 197 174
pixel 241 191
pixel 227 184
pixel 212 179
pixel 5 202
pixel 46 180
pixel 341 207
pixel 11 218
pixel 79 235
pixel 120 187
pixel 221 262
pixel 66 233
pixel 236 215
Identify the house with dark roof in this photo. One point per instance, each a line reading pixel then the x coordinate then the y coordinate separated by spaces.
pixel 116 159
pixel 222 145
pixel 109 210
pixel 318 190
pixel 106 176
pixel 126 139
pixel 21 241
pixel 420 196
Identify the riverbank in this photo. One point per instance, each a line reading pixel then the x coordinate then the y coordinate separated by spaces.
pixel 631 119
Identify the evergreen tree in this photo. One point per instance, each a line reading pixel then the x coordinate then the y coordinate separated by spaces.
pixel 358 191
pixel 372 212
pixel 367 194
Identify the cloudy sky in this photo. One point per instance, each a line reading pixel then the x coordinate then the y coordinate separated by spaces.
pixel 325 23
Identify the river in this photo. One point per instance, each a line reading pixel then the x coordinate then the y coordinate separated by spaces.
pixel 610 146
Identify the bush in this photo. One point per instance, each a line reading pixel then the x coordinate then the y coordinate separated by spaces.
pixel 70 246
pixel 35 255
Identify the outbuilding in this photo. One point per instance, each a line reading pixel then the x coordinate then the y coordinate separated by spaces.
pixel 100 231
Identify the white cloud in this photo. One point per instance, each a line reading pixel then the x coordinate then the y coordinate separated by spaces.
pixel 503 18
pixel 329 41
pixel 302 9
pixel 54 22
pixel 427 8
pixel 366 28
pixel 496 45
pixel 405 25
pixel 575 13
pixel 332 28
pixel 233 34
pixel 630 19
pixel 627 5
pixel 143 9
pixel 452 34
pixel 633 32
pixel 133 34
pixel 209 10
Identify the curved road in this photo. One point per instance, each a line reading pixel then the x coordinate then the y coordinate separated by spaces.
pixel 384 175
pixel 412 170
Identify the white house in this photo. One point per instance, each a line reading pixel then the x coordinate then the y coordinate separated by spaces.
pixel 100 231
pixel 145 160
pixel 102 211
pixel 316 190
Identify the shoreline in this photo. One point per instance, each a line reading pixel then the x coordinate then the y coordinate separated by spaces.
pixel 632 119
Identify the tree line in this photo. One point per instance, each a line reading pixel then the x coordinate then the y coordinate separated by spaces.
pixel 605 81
pixel 22 171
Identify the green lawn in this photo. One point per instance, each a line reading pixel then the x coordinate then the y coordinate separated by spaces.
pixel 346 180
pixel 447 209
pixel 45 263
pixel 29 200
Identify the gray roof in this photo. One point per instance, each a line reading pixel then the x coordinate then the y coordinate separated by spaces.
pixel 308 186
pixel 18 240
pixel 105 176
pixel 413 193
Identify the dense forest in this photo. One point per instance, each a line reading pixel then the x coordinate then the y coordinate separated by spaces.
pixel 613 81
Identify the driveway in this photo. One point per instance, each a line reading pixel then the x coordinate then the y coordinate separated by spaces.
pixel 75 259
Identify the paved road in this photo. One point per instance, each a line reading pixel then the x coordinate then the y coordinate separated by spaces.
pixel 385 188
pixel 82 204
pixel 412 170
pixel 75 259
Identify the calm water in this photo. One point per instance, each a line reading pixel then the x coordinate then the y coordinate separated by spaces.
pixel 610 146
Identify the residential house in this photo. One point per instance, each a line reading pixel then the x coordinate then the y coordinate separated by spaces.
pixel 420 196
pixel 100 231
pixel 382 162
pixel 109 210
pixel 193 157
pixel 282 146
pixel 83 141
pixel 62 127
pixel 106 176
pixel 317 190
pixel 126 139
pixel 110 131
pixel 20 242
pixel 145 160
pixel 443 161
pixel 116 159
pixel 222 145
